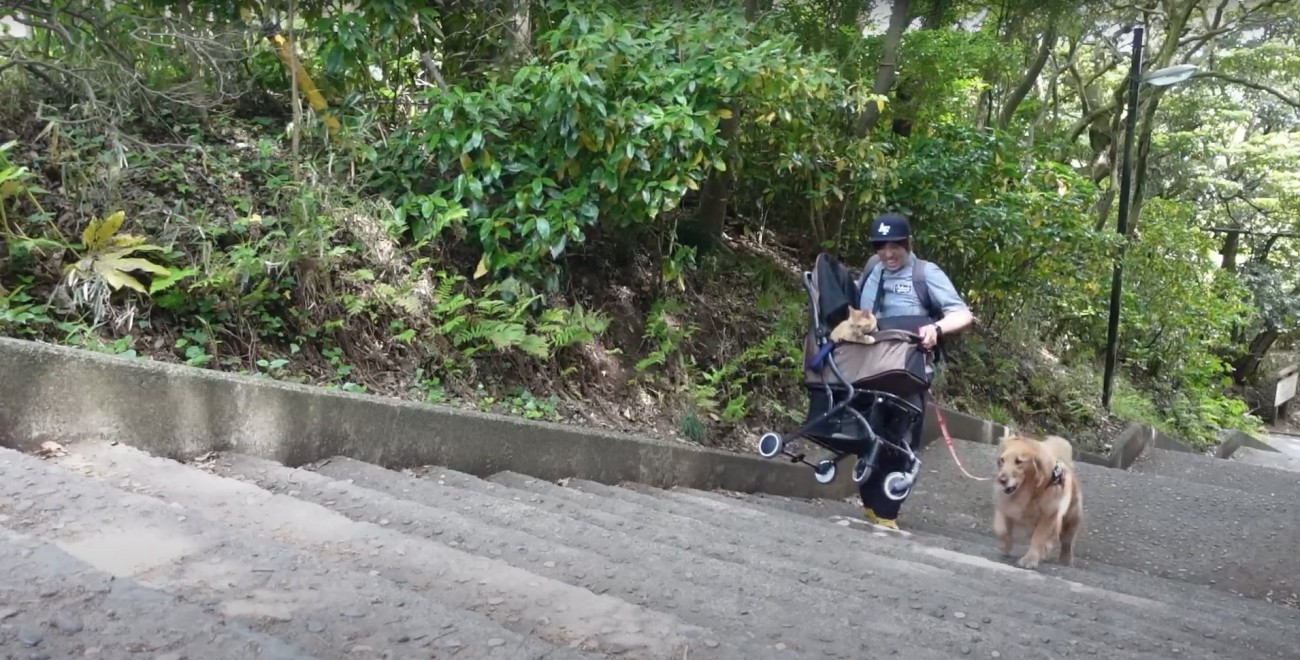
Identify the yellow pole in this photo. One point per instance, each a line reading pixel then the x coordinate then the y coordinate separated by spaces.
pixel 286 52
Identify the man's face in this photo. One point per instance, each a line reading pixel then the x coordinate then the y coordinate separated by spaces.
pixel 892 254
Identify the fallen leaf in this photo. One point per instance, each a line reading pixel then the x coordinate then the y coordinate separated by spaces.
pixel 51 449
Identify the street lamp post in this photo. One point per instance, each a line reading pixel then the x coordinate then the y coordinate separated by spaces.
pixel 1161 78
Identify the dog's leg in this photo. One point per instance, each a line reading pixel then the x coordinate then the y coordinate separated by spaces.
pixel 1048 527
pixel 1002 529
pixel 1069 530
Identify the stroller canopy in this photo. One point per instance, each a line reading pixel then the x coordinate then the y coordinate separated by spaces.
pixel 833 292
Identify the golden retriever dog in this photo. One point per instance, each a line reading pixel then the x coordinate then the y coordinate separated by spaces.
pixel 857 328
pixel 1037 489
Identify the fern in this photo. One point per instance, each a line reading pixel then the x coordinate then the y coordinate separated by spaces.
pixel 465 331
pixel 446 286
pixel 503 334
pixel 489 321
pixel 566 328
pixel 662 332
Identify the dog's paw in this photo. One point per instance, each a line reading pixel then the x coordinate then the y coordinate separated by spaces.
pixel 1067 558
pixel 1004 540
pixel 1029 561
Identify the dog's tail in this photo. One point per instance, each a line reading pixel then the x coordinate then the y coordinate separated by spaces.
pixel 1061 445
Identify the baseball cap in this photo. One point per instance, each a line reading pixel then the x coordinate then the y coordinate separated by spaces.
pixel 889 227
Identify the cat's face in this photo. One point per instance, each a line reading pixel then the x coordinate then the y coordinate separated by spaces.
pixel 862 319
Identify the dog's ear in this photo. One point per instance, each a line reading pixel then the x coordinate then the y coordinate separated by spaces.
pixel 1008 440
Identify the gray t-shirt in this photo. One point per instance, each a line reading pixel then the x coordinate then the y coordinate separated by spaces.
pixel 900 300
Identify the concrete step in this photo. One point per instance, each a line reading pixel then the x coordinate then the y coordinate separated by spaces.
pixel 1266 459
pixel 53 605
pixel 518 600
pixel 604 552
pixel 1117 580
pixel 926 575
pixel 1239 475
pixel 1240 542
pixel 347 559
pixel 556 547
pixel 325 608
pixel 1131 619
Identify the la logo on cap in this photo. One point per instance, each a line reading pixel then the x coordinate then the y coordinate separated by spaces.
pixel 884 228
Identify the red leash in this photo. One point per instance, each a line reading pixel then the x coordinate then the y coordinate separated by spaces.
pixel 948 440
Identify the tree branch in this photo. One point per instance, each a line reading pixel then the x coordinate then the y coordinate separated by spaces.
pixel 1087 120
pixel 432 68
pixel 1236 80
pixel 1031 77
pixel 1101 71
pixel 1215 28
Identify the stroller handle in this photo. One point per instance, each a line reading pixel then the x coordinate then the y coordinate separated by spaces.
pixel 897 335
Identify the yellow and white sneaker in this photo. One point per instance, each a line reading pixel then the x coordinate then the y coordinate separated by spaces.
pixel 884 523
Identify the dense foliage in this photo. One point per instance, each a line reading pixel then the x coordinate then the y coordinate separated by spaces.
pixel 598 210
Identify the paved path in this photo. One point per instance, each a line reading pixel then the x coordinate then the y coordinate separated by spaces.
pixel 109 552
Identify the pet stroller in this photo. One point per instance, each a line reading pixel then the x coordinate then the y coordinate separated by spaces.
pixel 856 391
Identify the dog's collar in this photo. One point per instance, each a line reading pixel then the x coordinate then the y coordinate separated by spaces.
pixel 1058 474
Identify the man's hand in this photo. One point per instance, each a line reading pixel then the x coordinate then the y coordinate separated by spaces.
pixel 929 335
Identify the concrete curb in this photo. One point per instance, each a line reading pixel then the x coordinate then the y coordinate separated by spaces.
pixel 960 425
pixel 1231 441
pixel 1135 440
pixel 64 394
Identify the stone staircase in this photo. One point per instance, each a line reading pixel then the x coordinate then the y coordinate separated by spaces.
pixel 1286 457
pixel 109 552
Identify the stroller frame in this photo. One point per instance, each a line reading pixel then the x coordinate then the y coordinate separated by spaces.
pixel 844 397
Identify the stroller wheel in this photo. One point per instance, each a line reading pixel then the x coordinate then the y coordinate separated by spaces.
pixel 825 471
pixel 897 486
pixel 770 445
pixel 861 470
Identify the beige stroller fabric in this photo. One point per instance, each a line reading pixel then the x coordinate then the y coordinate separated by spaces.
pixel 895 364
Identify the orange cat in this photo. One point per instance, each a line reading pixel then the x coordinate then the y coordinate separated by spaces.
pixel 857 328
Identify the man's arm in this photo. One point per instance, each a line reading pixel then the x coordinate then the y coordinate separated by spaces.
pixel 956 313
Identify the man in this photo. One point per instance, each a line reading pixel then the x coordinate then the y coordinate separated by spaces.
pixel 896 287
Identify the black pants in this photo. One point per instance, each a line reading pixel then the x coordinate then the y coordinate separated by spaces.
pixel 890 459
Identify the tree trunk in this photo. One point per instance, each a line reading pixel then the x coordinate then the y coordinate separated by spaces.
pixel 934 17
pixel 888 68
pixel 1106 164
pixel 1143 155
pixel 1247 366
pixel 1031 77
pixel 1173 33
pixel 848 14
pixel 520 27
pixel 1231 245
pixel 715 194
